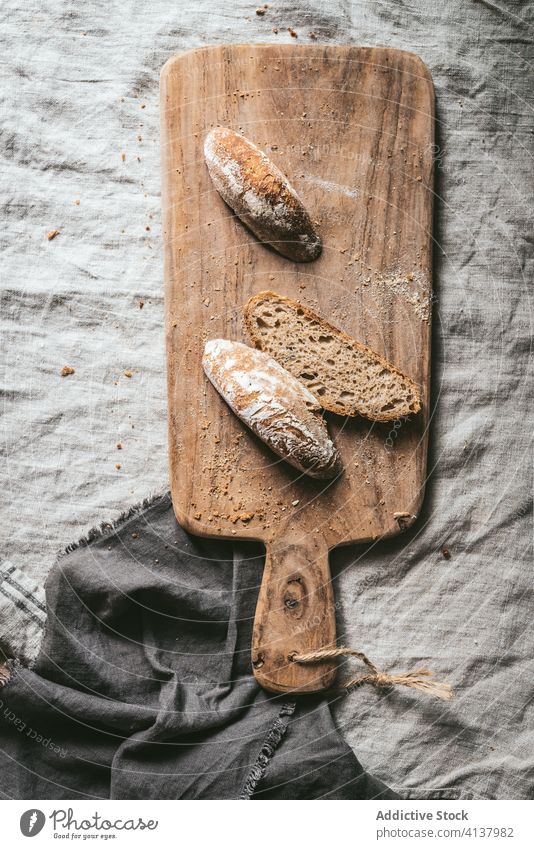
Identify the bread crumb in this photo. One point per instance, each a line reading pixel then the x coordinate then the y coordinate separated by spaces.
pixel 260 11
pixel 52 234
pixel 119 445
pixel 446 553
pixel 197 516
pixel 135 535
pixel 141 303
pixel 123 157
pixel 312 35
pixel 295 503
pixel 77 201
pixel 292 32
pixel 117 465
pixel 275 29
pixel 128 373
pixel 66 370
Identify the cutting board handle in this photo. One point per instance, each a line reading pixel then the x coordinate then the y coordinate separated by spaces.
pixel 295 613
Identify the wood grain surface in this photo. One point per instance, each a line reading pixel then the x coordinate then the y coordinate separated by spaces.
pixel 353 129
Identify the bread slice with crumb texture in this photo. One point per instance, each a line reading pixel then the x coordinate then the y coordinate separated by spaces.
pixel 345 376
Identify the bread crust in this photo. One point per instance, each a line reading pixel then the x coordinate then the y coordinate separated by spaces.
pixel 274 404
pixel 260 194
pixel 346 340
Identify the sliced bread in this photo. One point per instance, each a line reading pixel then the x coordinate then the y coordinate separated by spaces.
pixel 276 406
pixel 345 376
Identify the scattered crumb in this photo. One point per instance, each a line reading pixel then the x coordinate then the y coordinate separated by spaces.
pixel 312 35
pixel 128 373
pixel 123 157
pixel 414 291
pixel 77 201
pixel 275 29
pixel 66 370
pixel 135 536
pixel 141 303
pixel 295 503
pixel 143 105
pixel 119 445
pixel 52 234
pixel 147 227
pixel 446 553
pixel 197 516
pixel 117 465
pixel 260 11
pixel 243 517
pixel 292 32
pixel 402 515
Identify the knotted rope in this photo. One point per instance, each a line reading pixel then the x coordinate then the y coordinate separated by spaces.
pixel 417 679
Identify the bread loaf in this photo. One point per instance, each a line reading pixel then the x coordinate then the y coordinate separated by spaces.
pixel 273 404
pixel 260 195
pixel 345 376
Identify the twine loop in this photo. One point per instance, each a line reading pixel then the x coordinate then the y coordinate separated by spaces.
pixel 417 679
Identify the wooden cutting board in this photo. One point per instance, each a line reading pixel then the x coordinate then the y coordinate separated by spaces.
pixel 353 129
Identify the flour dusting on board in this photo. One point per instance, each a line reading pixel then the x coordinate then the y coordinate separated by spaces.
pixel 413 288
pixel 330 186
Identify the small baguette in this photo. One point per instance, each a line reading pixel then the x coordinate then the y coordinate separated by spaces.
pixel 260 195
pixel 280 411
pixel 345 376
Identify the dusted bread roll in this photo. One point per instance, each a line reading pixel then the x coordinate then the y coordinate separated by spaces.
pixel 260 195
pixel 274 404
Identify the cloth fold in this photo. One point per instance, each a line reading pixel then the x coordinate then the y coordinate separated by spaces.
pixel 142 687
pixel 80 154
